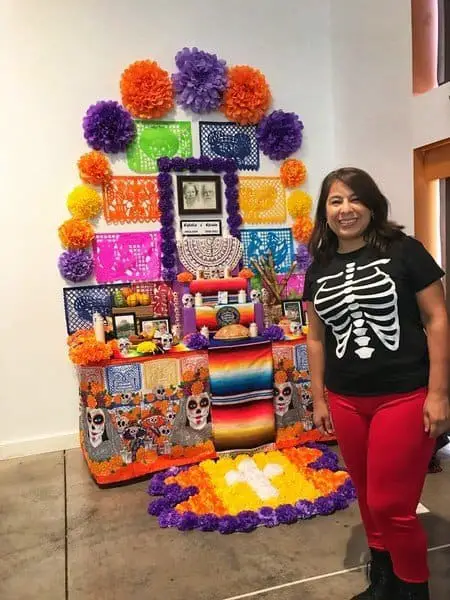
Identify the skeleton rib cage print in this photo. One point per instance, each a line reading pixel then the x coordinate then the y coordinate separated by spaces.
pixel 360 301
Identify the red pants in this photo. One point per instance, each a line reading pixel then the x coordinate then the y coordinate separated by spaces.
pixel 387 451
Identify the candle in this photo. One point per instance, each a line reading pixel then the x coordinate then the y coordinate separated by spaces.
pixel 242 297
pixel 227 272
pixel 198 299
pixel 199 274
pixel 205 331
pixel 253 329
pixel 99 328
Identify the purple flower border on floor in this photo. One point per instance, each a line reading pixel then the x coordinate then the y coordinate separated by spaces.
pixel 167 166
pixel 247 520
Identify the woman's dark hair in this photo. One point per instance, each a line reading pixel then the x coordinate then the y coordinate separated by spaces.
pixel 379 234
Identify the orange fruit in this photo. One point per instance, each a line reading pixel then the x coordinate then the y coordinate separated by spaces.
pixel 126 291
pixel 132 300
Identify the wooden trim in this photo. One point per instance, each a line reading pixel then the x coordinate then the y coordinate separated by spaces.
pixel 424 23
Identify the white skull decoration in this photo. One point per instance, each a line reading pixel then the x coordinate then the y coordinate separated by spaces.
pixel 166 341
pixel 122 423
pixel 255 296
pixel 283 393
pixel 126 397
pixel 124 345
pixel 295 328
pixel 160 392
pixel 170 416
pixel 96 426
pixel 187 300
pixel 197 410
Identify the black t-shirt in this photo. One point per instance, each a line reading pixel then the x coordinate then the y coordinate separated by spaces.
pixel 375 341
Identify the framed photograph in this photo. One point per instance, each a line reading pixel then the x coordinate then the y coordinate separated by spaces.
pixel 161 324
pixel 124 325
pixel 199 194
pixel 293 310
pixel 207 227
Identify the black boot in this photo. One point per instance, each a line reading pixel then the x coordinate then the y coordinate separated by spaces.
pixel 381 577
pixel 412 591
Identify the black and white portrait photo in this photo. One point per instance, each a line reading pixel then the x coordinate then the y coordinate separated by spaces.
pixel 199 195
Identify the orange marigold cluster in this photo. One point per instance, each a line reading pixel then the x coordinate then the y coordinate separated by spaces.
pixel 185 277
pixel 247 96
pixel 85 350
pixel 292 173
pixel 146 90
pixel 302 229
pixel 94 168
pixel 246 273
pixel 76 234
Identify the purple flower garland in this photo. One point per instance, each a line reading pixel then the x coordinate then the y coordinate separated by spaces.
pixel 247 520
pixel 166 201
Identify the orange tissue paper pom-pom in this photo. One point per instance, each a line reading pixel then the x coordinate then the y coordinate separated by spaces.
pixel 247 96
pixel 299 204
pixel 146 90
pixel 302 229
pixel 246 273
pixel 90 352
pixel 185 277
pixel 292 173
pixel 76 234
pixel 94 168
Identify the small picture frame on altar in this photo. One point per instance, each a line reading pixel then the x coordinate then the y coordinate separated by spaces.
pixel 199 194
pixel 293 310
pixel 124 325
pixel 222 297
pixel 146 324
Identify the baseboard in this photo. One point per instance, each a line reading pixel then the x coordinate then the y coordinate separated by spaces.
pixel 39 445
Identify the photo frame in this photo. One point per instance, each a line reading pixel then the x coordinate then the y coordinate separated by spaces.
pixel 161 324
pixel 211 227
pixel 199 194
pixel 124 325
pixel 293 310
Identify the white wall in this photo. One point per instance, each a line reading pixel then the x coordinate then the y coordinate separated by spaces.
pixel 372 91
pixel 61 57
pixel 431 116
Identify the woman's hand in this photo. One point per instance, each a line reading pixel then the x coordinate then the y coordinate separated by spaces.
pixel 436 413
pixel 322 417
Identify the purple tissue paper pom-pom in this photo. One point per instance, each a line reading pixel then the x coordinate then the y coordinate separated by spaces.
pixel 280 134
pixel 188 521
pixel 156 507
pixel 197 341
pixel 167 219
pixel 230 165
pixel 273 333
pixel 286 514
pixel 204 163
pixel 167 232
pixel 303 258
pixel 305 509
pixel 178 163
pixel 218 165
pixel 107 126
pixel 208 522
pixel 247 521
pixel 231 193
pixel 227 524
pixel 165 206
pixel 192 165
pixel 234 221
pixel 168 246
pixel 168 261
pixel 76 265
pixel 231 179
pixel 169 274
pixel 164 181
pixel 200 81
pixel 157 485
pixel 164 164
pixel 268 516
pixel 325 506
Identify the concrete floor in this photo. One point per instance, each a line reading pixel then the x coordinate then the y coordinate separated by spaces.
pixel 61 538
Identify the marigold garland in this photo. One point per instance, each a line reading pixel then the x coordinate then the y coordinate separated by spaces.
pixel 94 168
pixel 302 229
pixel 90 352
pixel 247 96
pixel 185 277
pixel 299 204
pixel 292 173
pixel 246 273
pixel 76 234
pixel 84 202
pixel 146 90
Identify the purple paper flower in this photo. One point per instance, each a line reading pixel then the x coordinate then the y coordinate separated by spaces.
pixel 76 265
pixel 326 461
pixel 268 516
pixel 305 509
pixel 200 81
pixel 325 506
pixel 247 521
pixel 286 514
pixel 231 193
pixel 169 275
pixel 231 179
pixel 157 485
pixel 168 261
pixel 164 164
pixel 234 222
pixel 156 507
pixel 167 220
pixel 197 341
pixel 348 490
pixel 208 522
pixel 178 164
pixel 303 258
pixel 169 518
pixel 192 165
pixel 164 181
pixel 273 333
pixel 188 521
pixel 165 205
pixel 218 165
pixel 230 165
pixel 168 233
pixel 108 127
pixel 204 163
pixel 280 134
pixel 168 246
pixel 339 500
pixel 227 524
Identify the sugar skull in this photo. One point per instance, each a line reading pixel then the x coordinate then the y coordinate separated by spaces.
pixel 124 346
pixel 166 341
pixel 255 296
pixel 197 410
pixel 160 392
pixel 283 397
pixel 96 426
pixel 187 300
pixel 295 328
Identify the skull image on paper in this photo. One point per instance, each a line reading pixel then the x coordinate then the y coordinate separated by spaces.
pixel 102 440
pixel 288 409
pixel 192 424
